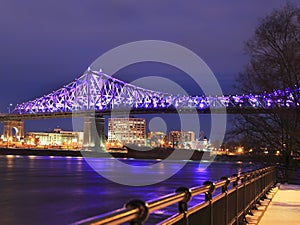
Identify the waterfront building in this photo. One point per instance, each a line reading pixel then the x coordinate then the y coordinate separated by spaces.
pixel 203 145
pixel 189 136
pixel 127 130
pixel 175 138
pixel 56 138
pixel 181 138
pixel 157 139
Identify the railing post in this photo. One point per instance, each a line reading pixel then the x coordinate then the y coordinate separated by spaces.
pixel 243 182
pixel 236 186
pixel 274 176
pixel 143 211
pixel 208 197
pixel 225 190
pixel 264 184
pixel 183 205
pixel 260 182
pixel 256 191
pixel 251 192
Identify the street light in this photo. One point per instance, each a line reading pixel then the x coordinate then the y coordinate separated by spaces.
pixel 10 105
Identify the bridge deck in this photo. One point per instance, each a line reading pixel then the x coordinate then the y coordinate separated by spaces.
pixel 49 115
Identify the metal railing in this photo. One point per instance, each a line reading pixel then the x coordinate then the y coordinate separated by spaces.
pixel 238 195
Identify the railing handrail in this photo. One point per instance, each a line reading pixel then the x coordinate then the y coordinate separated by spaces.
pixel 139 210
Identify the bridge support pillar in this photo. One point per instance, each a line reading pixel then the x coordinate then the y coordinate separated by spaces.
pixel 93 133
pixel 17 126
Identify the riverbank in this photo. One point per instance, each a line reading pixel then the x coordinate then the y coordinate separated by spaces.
pixel 131 153
pixel 249 158
pixel 58 152
pixel 157 153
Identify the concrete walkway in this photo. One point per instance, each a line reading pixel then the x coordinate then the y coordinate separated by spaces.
pixel 282 207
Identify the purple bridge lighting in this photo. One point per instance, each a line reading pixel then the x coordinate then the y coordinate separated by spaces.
pixel 100 92
pixel 96 94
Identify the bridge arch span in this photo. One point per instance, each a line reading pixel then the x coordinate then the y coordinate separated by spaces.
pixel 13 128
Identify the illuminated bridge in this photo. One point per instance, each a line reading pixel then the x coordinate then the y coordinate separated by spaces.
pixel 97 93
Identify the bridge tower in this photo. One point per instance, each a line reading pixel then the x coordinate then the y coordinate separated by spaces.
pixel 93 132
pixel 17 126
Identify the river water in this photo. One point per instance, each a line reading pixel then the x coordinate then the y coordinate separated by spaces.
pixel 63 190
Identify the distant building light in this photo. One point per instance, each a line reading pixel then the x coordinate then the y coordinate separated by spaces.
pixel 277 152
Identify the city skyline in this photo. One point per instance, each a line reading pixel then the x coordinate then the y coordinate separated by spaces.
pixel 120 131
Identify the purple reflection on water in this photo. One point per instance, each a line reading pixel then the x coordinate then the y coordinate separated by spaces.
pixel 62 190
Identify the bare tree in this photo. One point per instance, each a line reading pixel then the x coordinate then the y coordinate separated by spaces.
pixel 274 52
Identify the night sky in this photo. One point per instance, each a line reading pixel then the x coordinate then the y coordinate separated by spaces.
pixel 46 44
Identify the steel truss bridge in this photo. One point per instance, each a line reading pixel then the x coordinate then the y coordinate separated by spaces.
pixel 95 94
pixel 98 92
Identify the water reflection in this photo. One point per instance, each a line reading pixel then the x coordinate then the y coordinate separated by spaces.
pixel 10 161
pixel 31 161
pixel 239 171
pixel 202 167
pixel 61 190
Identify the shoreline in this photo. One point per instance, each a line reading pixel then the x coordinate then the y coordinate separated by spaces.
pixel 135 154
pixel 40 152
pixel 152 154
